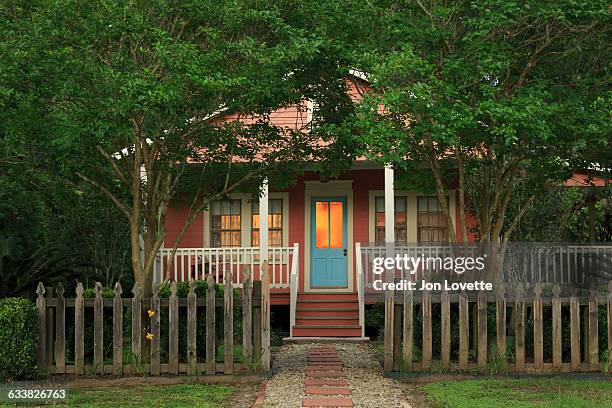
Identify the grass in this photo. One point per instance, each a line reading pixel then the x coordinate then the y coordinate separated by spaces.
pixel 528 392
pixel 169 396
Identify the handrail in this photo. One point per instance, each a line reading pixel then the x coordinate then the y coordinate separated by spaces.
pixel 293 285
pixel 360 292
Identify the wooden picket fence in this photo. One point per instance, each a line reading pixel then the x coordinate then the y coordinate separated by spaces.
pixel 52 311
pixel 400 324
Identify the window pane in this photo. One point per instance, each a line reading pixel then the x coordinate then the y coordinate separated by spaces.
pixel 255 207
pixel 215 221
pixel 322 224
pixel 235 225
pixel 380 204
pixel 400 204
pixel 275 221
pixel 215 239
pixel 255 237
pixel 216 207
pixel 276 206
pixel 275 238
pixel 255 221
pixel 235 206
pixel 335 225
pixel 235 236
pixel 380 219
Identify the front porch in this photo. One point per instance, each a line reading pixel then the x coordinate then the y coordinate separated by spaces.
pixel 319 239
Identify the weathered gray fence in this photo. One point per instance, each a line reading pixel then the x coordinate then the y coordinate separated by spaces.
pixel 53 308
pixel 474 352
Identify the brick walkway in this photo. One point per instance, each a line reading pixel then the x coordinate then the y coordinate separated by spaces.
pixel 341 374
pixel 325 383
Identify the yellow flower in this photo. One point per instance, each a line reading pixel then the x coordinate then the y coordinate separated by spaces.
pixel 149 336
pixel 151 313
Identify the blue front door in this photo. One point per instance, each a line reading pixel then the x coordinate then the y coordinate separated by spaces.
pixel 328 243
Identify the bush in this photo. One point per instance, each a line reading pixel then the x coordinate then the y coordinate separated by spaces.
pixel 18 338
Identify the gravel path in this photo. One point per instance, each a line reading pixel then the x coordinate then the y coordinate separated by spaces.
pixel 368 388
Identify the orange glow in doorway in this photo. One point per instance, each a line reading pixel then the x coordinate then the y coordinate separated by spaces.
pixel 335 224
pixel 322 224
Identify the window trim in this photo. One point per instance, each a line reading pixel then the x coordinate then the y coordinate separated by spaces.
pixel 246 220
pixel 282 226
pixel 411 209
pixel 406 212
pixel 427 212
pixel 230 230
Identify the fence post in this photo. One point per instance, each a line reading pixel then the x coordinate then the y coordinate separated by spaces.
pixel 575 332
pixel 500 317
pixel 257 322
pixel 60 331
pixel 609 320
pixel 173 330
pixel 247 317
pixel 593 332
pixel 464 330
pixel 228 325
pixel 137 324
pixel 155 331
pixel 427 340
pixel 98 330
pixel 211 366
pixel 538 329
pixel 79 336
pixel 482 329
pixel 397 334
pixel 265 316
pixel 445 330
pixel 41 306
pixel 389 320
pixel 519 328
pixel 118 330
pixel 556 328
pixel 50 294
pixel 192 357
pixel 408 328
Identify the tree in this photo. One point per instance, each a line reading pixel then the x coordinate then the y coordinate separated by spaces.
pixel 491 94
pixel 135 89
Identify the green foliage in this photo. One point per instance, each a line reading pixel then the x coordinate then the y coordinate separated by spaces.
pixel 18 337
pixel 517 93
pixel 180 395
pixel 525 392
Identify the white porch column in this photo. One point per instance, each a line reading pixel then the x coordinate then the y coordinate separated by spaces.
pixel 263 222
pixel 389 207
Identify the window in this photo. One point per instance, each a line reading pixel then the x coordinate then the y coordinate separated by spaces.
pixel 329 224
pixel 431 225
pixel 275 223
pixel 225 223
pixel 401 220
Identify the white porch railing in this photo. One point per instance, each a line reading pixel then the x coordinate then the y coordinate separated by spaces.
pixel 360 289
pixel 293 285
pixel 525 262
pixel 197 263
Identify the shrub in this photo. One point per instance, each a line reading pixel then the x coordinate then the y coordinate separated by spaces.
pixel 18 338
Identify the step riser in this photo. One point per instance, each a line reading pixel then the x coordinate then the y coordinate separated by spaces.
pixel 326 305
pixel 326 322
pixel 318 313
pixel 324 332
pixel 349 297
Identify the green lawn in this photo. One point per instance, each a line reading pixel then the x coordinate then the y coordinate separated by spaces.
pixel 529 392
pixel 168 396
